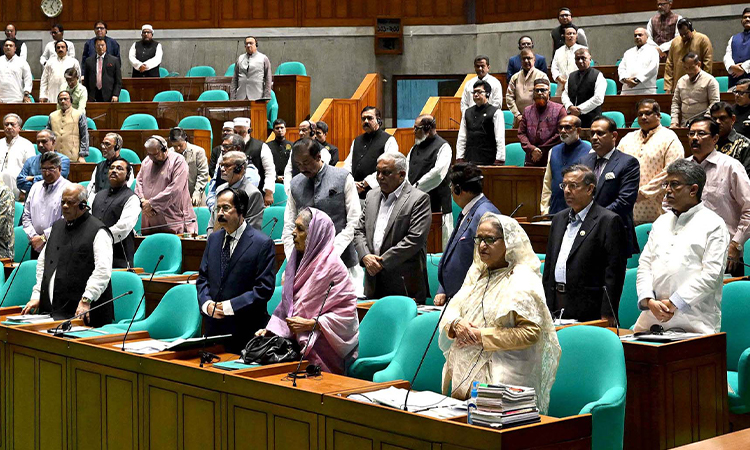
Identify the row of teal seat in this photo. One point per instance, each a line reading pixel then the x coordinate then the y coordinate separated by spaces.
pixel 286 68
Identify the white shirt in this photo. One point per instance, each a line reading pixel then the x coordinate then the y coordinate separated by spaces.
pixel 53 76
pixel 23 52
pixel 498 121
pixel 437 174
pixel 325 157
pixel 684 262
pixel 15 79
pixel 149 63
pixel 567 244
pixel 564 61
pixel 468 207
pixel 384 213
pixel 12 157
pixel 600 90
pixel 643 64
pixel 227 304
pixel 496 97
pixel 665 46
pixel 128 218
pixel 49 51
pixel 729 59
pixel 391 146
pixel 343 238
pixel 99 278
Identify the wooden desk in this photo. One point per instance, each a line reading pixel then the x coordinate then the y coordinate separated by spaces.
pixel 508 186
pixel 538 233
pixel 677 392
pixel 731 441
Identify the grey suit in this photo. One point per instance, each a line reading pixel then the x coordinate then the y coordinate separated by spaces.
pixel 254 216
pixel 404 244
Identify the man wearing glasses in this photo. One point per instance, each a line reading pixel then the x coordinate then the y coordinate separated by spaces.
pixel 111 145
pixel 562 156
pixel 481 137
pixel 537 130
pixel 145 55
pixel 89 48
pixel 57 32
pixel 742 107
pixel 730 143
pixel 32 169
pixel 233 171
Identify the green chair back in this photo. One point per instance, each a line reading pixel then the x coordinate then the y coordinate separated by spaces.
pixel 272 110
pixel 514 154
pixel 17 213
pixel 90 123
pixel 140 122
pixel 123 282
pixel 641 233
pixel 95 155
pixel 380 334
pixel 163 73
pixel 456 210
pixel 666 120
pixel 617 116
pixel 660 86
pixel 24 279
pixel 35 123
pixel 410 351
pixel 214 95
pixel 203 214
pixel 591 380
pixel 84 183
pixel 157 244
pixel 137 227
pixel 433 261
pixel 197 123
pixel 124 96
pixel 274 301
pixel 268 214
pixel 168 96
pixel 201 71
pixel 611 87
pixel 291 68
pixel 230 70
pixel 280 273
pixel 723 83
pixel 279 195
pixel 21 243
pixel 735 316
pixel 508 119
pixel 130 156
pixel 628 311
pixel 746 257
pixel 177 315
pixel 552 89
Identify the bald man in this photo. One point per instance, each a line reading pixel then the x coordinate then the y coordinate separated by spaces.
pixel 639 66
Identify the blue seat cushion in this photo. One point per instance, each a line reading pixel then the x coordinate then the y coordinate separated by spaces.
pixel 736 405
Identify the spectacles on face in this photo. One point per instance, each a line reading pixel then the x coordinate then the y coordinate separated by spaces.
pixel 106 145
pixel 478 93
pixel 741 93
pixel 421 127
pixel 384 173
pixel 48 169
pixel 698 133
pixel 572 186
pixel 489 240
pixel 565 127
pixel 672 185
pixel 541 90
pixel 99 28
pixel 227 146
pixel 224 208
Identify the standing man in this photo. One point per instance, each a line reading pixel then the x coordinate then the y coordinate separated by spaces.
pixel 481 137
pixel 662 28
pixel 482 69
pixel 514 63
pixel 57 32
pixel 520 92
pixel 32 168
pixel 100 32
pixel 145 55
pixel 586 255
pixel 564 60
pixel 42 206
pixel 565 17
pixel 391 236
pixel 252 78
pixel 690 41
pixel 233 169
pixel 307 129
pixel 53 76
pixel 10 33
pixel 71 129
pixel 727 190
pixel 237 275
pixel 260 156
pixel 73 272
pixel 197 164
pixel 216 152
pixel 162 187
pixel 537 130
pixel 231 143
pixel 639 66
pixel 428 162
pixel 111 146
pixel 655 147
pixel 730 143
pixel 366 148
pixel 584 94
pixel 118 208
pixel 78 94
pixel 102 75
pixel 321 134
pixel 694 94
pixel 466 190
pixel 331 190
pixel 742 107
pixel 737 55
pixel 15 150
pixel 15 76
pixel 681 270
pixel 281 149
pixel 617 176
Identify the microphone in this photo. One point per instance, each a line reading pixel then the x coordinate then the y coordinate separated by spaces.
pixel 454 121
pixel 516 210
pixel 125 254
pixel 237 51
pixel 283 47
pixel 207 357
pixel 609 301
pixel 731 259
pixel 542 217
pixel 99 116
pixel 169 224
pixel 125 338
pixel 190 85
pixel 10 283
pixel 295 374
pixel 275 220
pixel 403 282
pixel 65 326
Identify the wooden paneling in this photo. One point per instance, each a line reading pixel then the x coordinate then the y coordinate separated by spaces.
pixel 257 13
pixel 176 13
pixel 342 435
pixel 445 110
pixel 507 187
pixel 253 424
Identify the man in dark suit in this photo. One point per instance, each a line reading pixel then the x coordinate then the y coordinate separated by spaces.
pixel 236 277
pixel 101 75
pixel 391 236
pixel 466 189
pixel 618 176
pixel 586 253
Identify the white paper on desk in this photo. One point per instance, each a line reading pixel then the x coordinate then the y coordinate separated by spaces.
pixel 561 322
pixel 74 330
pixel 428 308
pixel 144 347
pixel 669 337
pixel 30 318
pixel 419 401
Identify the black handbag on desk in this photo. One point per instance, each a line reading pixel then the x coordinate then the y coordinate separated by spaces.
pixel 270 350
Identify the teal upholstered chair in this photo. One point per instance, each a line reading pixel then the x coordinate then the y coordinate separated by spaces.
pixel 660 86
pixel 552 89
pixel 201 71
pixel 203 214
pixel 723 83
pixel 17 213
pixel 508 119
pixel 230 70
pixel 124 96
pixel 611 87
pixel 380 334
pixel 95 155
pixel 269 214
pixel 137 227
pixel 168 96
pixel 433 261
pixel 641 233
pixel 214 95
pixel 35 123
pixel 735 315
pixel 90 123
pixel 140 122
pixel 666 120
pixel 274 301
pixel 130 156
pixel 591 380
pixel 272 110
pixel 123 282
pixel 617 116
pixel 24 279
pixel 163 72
pixel 746 257
pixel 280 273
pixel 628 311
pixel 291 68
pixel 197 123
pixel 20 246
pixel 157 244
pixel 514 154
pixel 541 256
pixel 279 195
pixel 456 210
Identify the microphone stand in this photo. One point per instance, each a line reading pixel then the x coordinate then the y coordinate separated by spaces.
pixel 161 257
pixel 295 374
pixel 168 224
pixel 65 326
pixel 611 308
pixel 190 85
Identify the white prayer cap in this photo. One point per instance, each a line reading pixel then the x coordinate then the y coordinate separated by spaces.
pixel 147 27
pixel 242 122
pixel 228 125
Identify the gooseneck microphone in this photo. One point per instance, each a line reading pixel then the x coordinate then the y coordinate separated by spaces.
pixel 295 374
pixel 190 85
pixel 516 210
pixel 65 326
pixel 132 319
pixel 611 308
pixel 454 121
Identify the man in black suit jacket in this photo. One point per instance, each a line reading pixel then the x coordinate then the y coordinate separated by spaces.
pixel 586 253
pixel 618 176
pixel 111 79
pixel 236 277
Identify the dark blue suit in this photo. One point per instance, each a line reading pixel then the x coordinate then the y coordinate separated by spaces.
pixel 248 283
pixel 617 189
pixel 459 254
pixel 514 65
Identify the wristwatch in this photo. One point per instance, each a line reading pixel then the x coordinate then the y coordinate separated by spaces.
pixel 86 300
pixel 737 246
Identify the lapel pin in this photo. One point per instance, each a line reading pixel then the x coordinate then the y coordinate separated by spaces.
pixel 583 233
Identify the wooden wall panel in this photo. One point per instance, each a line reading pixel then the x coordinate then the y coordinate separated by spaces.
pixel 257 13
pixel 175 14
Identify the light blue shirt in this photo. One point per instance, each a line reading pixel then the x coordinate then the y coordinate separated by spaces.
pixel 567 243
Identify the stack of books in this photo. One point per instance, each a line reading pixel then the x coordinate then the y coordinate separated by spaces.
pixel 504 405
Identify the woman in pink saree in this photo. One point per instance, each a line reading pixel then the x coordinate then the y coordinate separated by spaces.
pixel 311 268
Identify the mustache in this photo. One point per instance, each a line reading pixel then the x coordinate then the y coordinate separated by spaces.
pixel 221 219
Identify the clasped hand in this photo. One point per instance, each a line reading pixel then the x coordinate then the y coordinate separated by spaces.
pixel 299 325
pixel 663 309
pixel 373 264
pixel 467 333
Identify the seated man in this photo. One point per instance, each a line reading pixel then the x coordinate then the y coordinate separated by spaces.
pixel 537 131
pixel 237 274
pixel 197 164
pixel 681 270
pixel 694 94
pixel 71 129
pixel 32 168
pixel 233 171
pixel 520 92
pixel 562 156
pixel 73 272
pixel 481 137
pixel 584 94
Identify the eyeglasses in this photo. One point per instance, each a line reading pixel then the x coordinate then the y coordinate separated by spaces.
pixel 227 146
pixel 572 186
pixel 49 169
pixel 225 208
pixel 741 93
pixel 106 145
pixel 477 93
pixel 672 185
pixel 565 127
pixel 699 133
pixel 421 127
pixel 489 240
pixel 384 173
pixel 99 28
pixel 41 141
pixel 541 91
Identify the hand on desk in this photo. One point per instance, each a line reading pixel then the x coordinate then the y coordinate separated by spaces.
pixel 32 307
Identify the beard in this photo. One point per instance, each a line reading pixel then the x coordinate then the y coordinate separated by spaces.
pixel 418 141
pixel 569 139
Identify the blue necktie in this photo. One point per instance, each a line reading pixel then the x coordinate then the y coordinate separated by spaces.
pixel 225 255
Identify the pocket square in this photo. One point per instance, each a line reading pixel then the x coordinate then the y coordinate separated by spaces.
pixel 609 176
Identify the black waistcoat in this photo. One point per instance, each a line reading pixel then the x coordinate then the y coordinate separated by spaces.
pixel 367 148
pixel 144 52
pixel 481 146
pixel 252 150
pixel 422 159
pixel 101 181
pixel 581 87
pixel 107 207
pixel 281 152
pixel 19 43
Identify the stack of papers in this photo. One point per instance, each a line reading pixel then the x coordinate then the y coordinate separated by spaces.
pixel 144 347
pixel 504 405
pixel 562 322
pixel 422 309
pixel 423 402
pixel 30 318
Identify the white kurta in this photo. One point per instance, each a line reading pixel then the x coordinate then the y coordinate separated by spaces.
pixel 12 157
pixel 15 79
pixel 53 76
pixel 643 64
pixel 496 97
pixel 50 53
pixel 564 62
